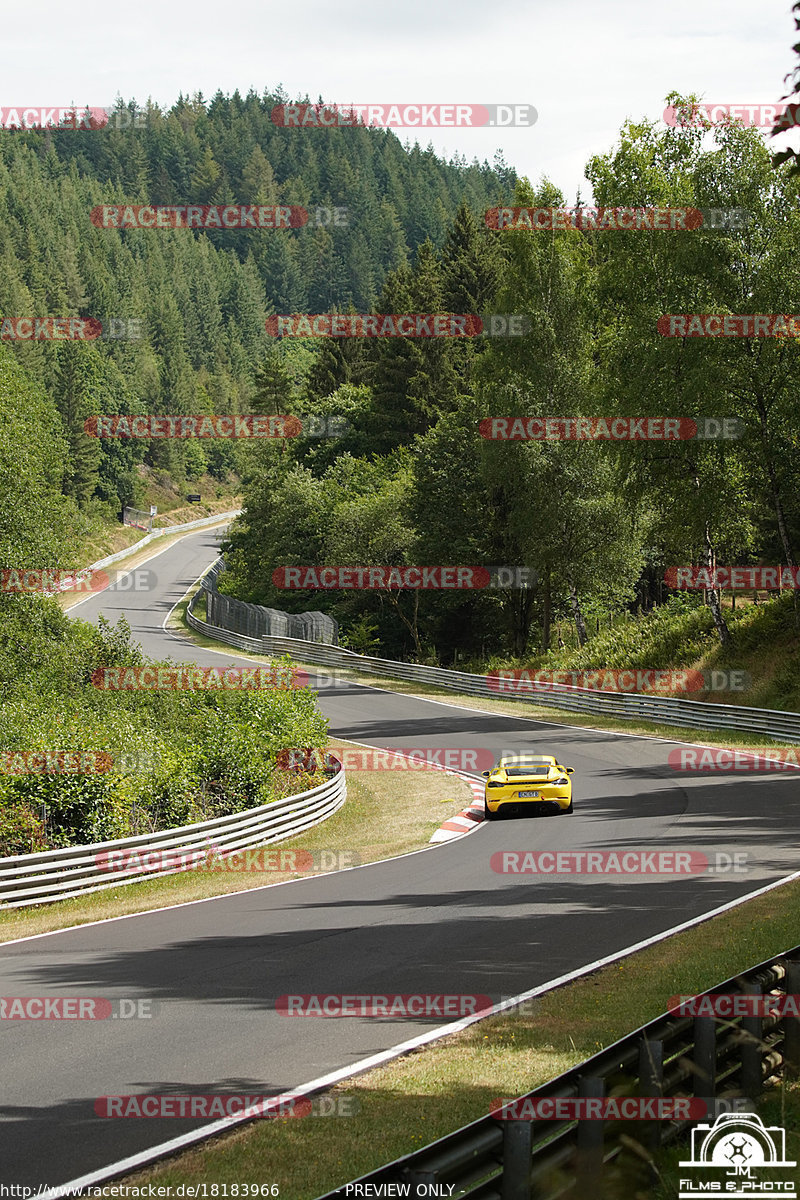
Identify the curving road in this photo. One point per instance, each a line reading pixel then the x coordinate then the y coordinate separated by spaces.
pixel 440 921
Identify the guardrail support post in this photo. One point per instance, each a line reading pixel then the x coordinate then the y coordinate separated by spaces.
pixel 705 1061
pixel 427 1180
pixel 651 1084
pixel 752 1041
pixel 589 1155
pixel 791 1024
pixel 517 1160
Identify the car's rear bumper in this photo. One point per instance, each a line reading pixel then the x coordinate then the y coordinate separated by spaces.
pixel 554 799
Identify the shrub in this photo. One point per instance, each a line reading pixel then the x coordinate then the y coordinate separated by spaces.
pixel 21 831
pixel 174 757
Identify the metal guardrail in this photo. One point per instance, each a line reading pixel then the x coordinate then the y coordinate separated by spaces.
pixel 66 584
pixel 627 706
pixel 720 1062
pixel 157 533
pixel 51 875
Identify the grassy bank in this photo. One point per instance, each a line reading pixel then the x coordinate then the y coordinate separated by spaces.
pixel 764 643
pixel 680 635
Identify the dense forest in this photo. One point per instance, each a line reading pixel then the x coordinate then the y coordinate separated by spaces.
pixel 200 298
pixel 598 521
pixel 410 479
pixel 162 758
pixel 201 301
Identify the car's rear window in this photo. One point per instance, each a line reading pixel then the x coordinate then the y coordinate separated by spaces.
pixel 529 769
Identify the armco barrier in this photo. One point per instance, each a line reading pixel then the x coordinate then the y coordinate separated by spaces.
pixel 627 706
pixel 59 874
pixel 66 585
pixel 726 1064
pixel 157 533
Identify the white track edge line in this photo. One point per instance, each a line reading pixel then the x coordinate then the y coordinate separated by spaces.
pixel 175 1144
pixel 537 720
pixel 393 858
pixel 365 1064
pixel 424 849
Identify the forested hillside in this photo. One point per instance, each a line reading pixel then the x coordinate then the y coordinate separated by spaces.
pixel 156 759
pixel 198 344
pixel 414 482
pixel 201 297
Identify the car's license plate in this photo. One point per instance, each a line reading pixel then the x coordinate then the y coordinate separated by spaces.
pixel 528 794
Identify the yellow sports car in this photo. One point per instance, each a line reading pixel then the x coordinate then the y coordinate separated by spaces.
pixel 527 781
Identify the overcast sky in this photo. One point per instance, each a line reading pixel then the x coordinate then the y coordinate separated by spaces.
pixel 586 66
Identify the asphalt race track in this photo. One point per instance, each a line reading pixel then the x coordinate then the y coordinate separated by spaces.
pixel 437 922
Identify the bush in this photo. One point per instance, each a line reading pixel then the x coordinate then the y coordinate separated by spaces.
pixel 169 758
pixel 21 831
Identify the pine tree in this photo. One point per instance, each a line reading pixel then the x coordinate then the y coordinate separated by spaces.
pixel 470 265
pixel 273 387
pixel 258 179
pixel 204 178
pixel 76 396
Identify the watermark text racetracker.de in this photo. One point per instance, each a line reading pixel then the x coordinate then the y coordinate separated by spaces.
pixel 597 220
pixel 70 329
pixel 401 758
pixel 120 425
pixel 702 112
pixel 726 1006
pixel 412 578
pixel 402 116
pixel 217 859
pixel 162 677
pixel 216 1105
pixel 249 425
pixel 680 863
pixel 733 759
pixel 400 325
pixel 39 116
pixel 738 325
pixel 394 1004
pixel 215 216
pixel 58 761
pixel 608 429
pixel 60 118
pixel 55 762
pixel 77 1008
pixel 49 580
pixel 605 1108
pixel 521 681
pixel 762 578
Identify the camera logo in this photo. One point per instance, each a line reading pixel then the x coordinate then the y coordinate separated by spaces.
pixel 734 1154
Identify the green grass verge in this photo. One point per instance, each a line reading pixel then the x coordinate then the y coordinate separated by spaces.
pixel 127 538
pixel 428 1093
pixel 764 644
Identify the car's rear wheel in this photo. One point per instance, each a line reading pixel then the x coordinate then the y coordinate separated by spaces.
pixel 568 809
pixel 488 815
